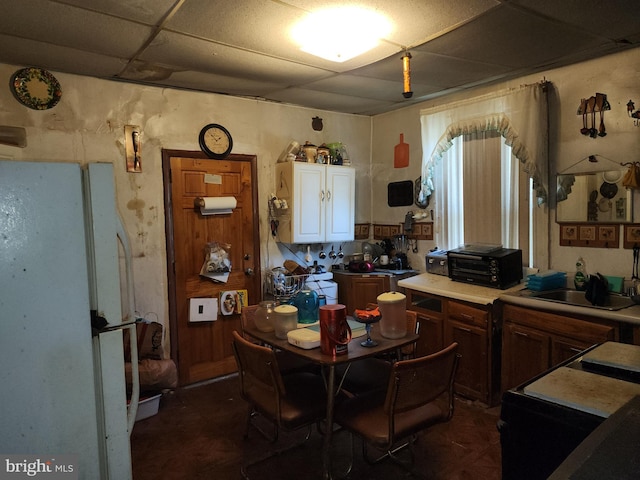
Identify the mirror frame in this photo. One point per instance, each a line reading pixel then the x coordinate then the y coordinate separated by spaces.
pixel 606 200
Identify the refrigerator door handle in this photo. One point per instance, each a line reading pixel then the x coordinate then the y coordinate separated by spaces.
pixel 132 409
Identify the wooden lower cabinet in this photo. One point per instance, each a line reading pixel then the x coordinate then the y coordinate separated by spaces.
pixel 430 310
pixel 534 341
pixel 357 290
pixel 472 326
pixel 443 321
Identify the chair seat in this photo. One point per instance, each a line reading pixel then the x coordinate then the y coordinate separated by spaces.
pixel 364 376
pixel 365 414
pixel 304 402
pixel 290 363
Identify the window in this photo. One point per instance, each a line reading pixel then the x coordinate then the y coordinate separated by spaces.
pixel 477 129
pixel 482 196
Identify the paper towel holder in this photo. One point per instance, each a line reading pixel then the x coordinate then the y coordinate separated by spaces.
pixel 215 205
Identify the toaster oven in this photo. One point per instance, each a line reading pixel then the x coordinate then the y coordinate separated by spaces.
pixel 490 267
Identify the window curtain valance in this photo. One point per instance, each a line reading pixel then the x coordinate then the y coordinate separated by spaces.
pixel 519 115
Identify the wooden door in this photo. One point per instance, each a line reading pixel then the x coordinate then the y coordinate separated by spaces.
pixel 473 368
pixel 202 350
pixel 365 290
pixel 525 354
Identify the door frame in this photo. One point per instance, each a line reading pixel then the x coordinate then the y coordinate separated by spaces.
pixel 170 243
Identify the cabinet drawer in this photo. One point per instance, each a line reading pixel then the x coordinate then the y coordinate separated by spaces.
pixel 583 330
pixel 467 314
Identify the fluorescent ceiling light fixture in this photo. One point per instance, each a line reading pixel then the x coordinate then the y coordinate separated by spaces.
pixel 340 34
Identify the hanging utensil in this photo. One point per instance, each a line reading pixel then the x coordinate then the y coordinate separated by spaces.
pixel 602 131
pixel 322 254
pixel 340 252
pixel 583 110
pixel 332 253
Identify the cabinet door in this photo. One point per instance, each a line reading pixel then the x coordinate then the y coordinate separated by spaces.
pixel 365 289
pixel 340 204
pixel 308 216
pixel 564 348
pixel 525 354
pixel 431 335
pixel 472 375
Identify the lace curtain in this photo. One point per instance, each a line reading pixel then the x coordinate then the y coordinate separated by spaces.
pixel 519 115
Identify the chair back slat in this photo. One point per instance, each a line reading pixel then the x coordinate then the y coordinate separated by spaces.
pixel 258 365
pixel 417 382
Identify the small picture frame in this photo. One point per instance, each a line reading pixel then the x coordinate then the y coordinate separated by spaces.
pixel 587 232
pixel 569 232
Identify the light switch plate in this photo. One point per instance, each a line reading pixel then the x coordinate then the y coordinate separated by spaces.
pixel 203 309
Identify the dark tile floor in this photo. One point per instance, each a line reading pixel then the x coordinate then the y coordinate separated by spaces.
pixel 198 434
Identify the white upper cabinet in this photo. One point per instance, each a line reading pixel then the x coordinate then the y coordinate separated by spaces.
pixel 321 202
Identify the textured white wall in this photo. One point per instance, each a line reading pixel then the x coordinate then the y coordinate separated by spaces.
pixel 88 123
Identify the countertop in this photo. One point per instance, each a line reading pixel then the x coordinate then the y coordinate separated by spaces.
pixel 381 271
pixel 445 287
pixel 518 295
pixel 523 298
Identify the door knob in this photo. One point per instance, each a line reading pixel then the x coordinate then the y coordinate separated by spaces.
pixel 248 272
pixel 247 256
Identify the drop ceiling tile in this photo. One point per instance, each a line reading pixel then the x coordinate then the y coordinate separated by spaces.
pixel 508 37
pixel 149 12
pixel 209 82
pixel 434 70
pixel 323 101
pixel 74 27
pixel 63 59
pixel 194 54
pixel 373 88
pixel 617 19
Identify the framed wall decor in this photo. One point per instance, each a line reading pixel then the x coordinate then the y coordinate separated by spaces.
pixel 590 235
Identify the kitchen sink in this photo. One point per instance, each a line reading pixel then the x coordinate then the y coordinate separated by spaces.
pixel 575 297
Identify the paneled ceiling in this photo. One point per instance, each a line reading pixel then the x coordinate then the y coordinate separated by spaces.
pixel 242 47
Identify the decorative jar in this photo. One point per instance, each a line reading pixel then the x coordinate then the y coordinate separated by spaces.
pixel 393 308
pixel 265 316
pixel 286 320
pixel 306 301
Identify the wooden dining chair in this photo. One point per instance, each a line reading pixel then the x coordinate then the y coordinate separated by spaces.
pixel 419 394
pixel 369 374
pixel 287 402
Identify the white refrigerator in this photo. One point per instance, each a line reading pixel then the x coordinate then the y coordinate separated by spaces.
pixel 65 257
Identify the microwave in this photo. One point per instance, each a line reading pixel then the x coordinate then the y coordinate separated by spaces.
pixel 495 267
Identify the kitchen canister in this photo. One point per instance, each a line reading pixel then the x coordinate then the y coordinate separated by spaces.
pixel 265 316
pixel 286 320
pixel 306 301
pixel 335 333
pixel 393 308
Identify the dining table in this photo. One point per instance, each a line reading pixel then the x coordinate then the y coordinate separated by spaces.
pixel 355 351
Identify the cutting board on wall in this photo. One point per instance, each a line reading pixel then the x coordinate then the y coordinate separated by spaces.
pixel 401 154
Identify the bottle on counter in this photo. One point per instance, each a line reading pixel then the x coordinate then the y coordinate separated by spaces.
pixel 581 276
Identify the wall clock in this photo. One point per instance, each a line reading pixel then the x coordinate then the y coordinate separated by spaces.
pixel 216 141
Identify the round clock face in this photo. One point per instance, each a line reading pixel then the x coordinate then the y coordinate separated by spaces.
pixel 216 141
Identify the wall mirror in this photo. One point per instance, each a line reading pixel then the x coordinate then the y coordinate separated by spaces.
pixel 594 197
